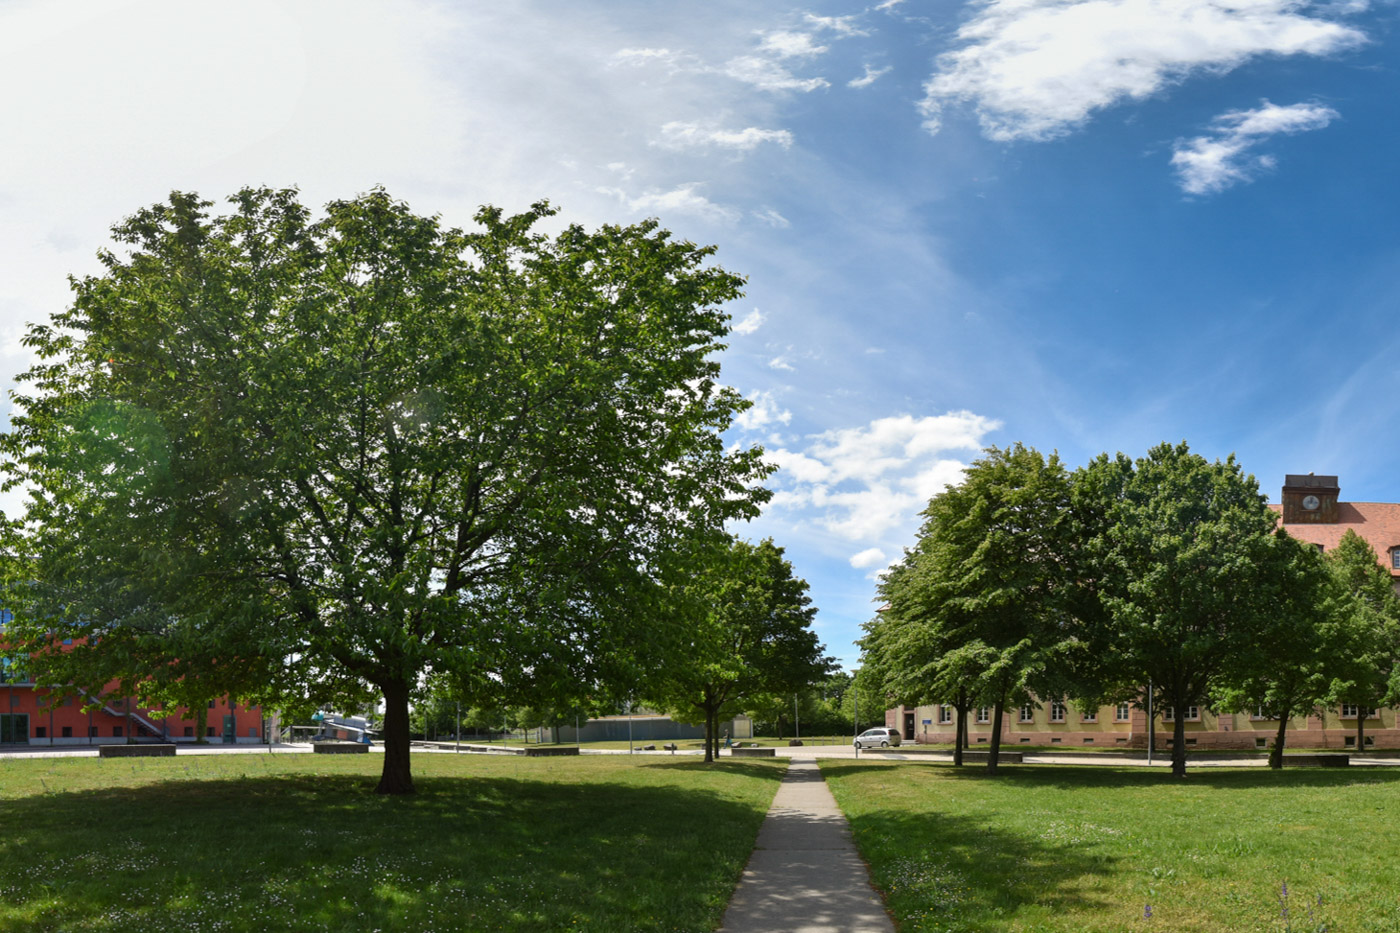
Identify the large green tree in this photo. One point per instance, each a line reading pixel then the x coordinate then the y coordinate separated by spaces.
pixel 1367 614
pixel 747 635
pixel 1292 670
pixel 1186 569
pixel 976 612
pixel 367 447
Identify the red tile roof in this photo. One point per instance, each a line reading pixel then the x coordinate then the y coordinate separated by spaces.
pixel 1377 522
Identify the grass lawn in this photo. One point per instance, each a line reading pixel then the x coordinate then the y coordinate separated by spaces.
pixel 1069 848
pixel 301 842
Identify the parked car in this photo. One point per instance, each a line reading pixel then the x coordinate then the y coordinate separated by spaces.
pixel 877 738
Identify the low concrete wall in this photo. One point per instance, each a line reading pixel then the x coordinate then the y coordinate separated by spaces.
pixel 753 752
pixel 1316 761
pixel 135 751
pixel 548 751
pixel 341 748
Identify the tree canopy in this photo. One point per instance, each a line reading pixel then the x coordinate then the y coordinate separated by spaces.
pixel 361 448
pixel 747 635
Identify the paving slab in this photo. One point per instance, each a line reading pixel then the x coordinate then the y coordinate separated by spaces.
pixel 804 875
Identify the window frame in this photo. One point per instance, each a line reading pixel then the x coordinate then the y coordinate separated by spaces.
pixel 1057 711
pixel 1092 716
pixel 945 715
pixel 1027 713
pixel 1122 712
pixel 984 715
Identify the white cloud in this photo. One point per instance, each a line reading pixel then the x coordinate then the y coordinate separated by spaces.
pixel 771 217
pixel 679 134
pixel 683 199
pixel 781 362
pixel 843 26
pixel 750 323
pixel 764 411
pixel 860 484
pixel 888 5
pixel 642 57
pixel 767 75
pixel 1207 164
pixel 787 44
pixel 870 557
pixel 1035 69
pixel 870 77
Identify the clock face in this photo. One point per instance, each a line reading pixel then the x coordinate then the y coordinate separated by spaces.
pixel 1311 502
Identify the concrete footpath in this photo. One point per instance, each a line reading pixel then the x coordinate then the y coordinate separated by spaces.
pixel 804 875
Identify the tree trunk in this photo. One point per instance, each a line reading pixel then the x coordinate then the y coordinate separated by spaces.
pixel 709 733
pixel 397 777
pixel 1276 753
pixel 1179 740
pixel 996 735
pixel 201 719
pixel 1361 728
pixel 960 742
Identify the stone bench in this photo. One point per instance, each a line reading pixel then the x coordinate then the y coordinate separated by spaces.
pixel 670 748
pixel 135 751
pixel 341 748
pixel 752 752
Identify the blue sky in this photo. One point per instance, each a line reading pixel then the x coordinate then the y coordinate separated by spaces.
pixel 1087 225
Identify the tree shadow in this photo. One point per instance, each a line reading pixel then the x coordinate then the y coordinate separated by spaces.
pixel 322 852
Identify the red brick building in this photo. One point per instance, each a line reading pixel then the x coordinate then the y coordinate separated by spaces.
pixel 30 714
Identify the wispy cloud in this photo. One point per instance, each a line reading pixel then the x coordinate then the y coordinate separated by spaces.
pixel 781 363
pixel 786 43
pixel 870 77
pixel 750 323
pixel 1212 163
pixel 843 26
pixel 682 199
pixel 679 134
pixel 1035 69
pixel 770 217
pixel 767 75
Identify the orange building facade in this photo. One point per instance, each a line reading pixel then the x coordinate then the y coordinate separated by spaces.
pixel 1311 511
pixel 33 714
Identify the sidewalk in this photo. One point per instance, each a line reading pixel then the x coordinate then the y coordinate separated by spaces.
pixel 804 875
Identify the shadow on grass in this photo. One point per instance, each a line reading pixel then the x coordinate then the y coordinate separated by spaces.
pixel 962 872
pixel 323 852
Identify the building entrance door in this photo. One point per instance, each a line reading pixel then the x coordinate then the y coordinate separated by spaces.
pixel 14 729
pixel 909 726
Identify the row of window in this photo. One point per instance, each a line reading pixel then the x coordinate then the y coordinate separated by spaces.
pixel 1121 713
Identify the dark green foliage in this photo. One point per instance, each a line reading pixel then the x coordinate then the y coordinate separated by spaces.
pixel 306 457
pixel 747 636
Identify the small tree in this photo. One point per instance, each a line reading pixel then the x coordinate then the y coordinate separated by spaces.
pixel 747 634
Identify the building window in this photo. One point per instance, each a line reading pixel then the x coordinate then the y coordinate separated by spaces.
pixel 1121 713
pixel 67 732
pixel 1027 713
pixel 41 732
pixel 116 732
pixel 252 732
pixel 1090 716
pixel 1057 712
pixel 945 715
pixel 92 732
pixel 1395 558
pixel 211 704
pixel 189 732
pixel 209 732
pixel 1348 711
pixel 1193 714
pixel 1169 714
pixel 984 714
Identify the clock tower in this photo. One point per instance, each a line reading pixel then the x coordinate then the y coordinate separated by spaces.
pixel 1310 499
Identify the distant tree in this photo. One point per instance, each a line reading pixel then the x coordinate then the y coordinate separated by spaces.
pixel 746 634
pixel 1184 570
pixel 1369 621
pixel 370 447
